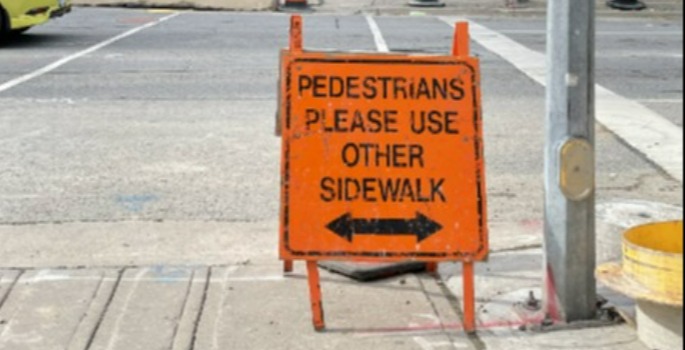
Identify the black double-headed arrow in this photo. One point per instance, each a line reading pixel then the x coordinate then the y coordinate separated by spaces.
pixel 347 227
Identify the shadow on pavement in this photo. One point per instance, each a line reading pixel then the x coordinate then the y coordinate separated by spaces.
pixel 26 40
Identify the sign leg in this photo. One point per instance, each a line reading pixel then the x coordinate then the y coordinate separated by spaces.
pixel 431 267
pixel 460 45
pixel 296 33
pixel 287 266
pixel 315 294
pixel 469 298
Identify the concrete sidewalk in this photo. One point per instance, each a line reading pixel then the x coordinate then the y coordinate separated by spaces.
pixel 253 306
pixel 219 285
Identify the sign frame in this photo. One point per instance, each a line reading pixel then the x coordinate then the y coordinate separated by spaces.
pixel 289 59
pixel 295 52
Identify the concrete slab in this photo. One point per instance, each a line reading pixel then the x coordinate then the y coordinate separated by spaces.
pixel 501 324
pixel 254 306
pixel 45 309
pixel 90 321
pixel 503 283
pixel 137 244
pixel 8 278
pixel 146 309
pixel 192 311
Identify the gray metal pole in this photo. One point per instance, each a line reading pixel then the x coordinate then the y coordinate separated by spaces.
pixel 570 292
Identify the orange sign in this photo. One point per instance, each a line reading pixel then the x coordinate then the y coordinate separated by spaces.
pixel 382 158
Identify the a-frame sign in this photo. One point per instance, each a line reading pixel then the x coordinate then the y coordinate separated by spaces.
pixel 382 159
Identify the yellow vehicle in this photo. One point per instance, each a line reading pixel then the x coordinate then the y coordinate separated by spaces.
pixel 17 16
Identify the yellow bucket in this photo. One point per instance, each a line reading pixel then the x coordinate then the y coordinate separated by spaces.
pixel 652 265
pixel 653 256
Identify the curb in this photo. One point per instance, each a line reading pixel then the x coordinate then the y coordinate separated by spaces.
pixel 204 5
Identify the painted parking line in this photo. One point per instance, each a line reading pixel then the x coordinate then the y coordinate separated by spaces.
pixel 52 66
pixel 650 134
pixel 598 33
pixel 381 46
pixel 660 100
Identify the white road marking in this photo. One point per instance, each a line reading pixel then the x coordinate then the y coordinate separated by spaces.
pixel 660 100
pixel 381 46
pixel 657 138
pixel 619 33
pixel 639 54
pixel 52 66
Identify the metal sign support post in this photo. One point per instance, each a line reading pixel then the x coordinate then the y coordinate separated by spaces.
pixel 295 44
pixel 570 291
pixel 460 47
pixel 312 268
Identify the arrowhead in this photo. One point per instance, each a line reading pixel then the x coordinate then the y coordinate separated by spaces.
pixel 342 226
pixel 424 227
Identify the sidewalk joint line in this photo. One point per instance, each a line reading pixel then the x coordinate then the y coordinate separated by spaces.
pixel 455 302
pixel 443 329
pixel 10 288
pixel 91 338
pixel 93 299
pixel 198 317
pixel 182 313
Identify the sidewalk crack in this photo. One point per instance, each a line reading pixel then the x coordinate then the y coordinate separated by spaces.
pixel 10 288
pixel 105 309
pixel 454 302
pixel 196 324
pixel 183 309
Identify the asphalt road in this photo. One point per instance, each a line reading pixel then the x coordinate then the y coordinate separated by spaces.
pixel 139 182
pixel 175 120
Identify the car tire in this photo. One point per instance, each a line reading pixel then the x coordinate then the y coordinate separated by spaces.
pixel 19 31
pixel 4 25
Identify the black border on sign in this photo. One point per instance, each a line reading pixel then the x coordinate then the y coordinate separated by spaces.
pixel 476 140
